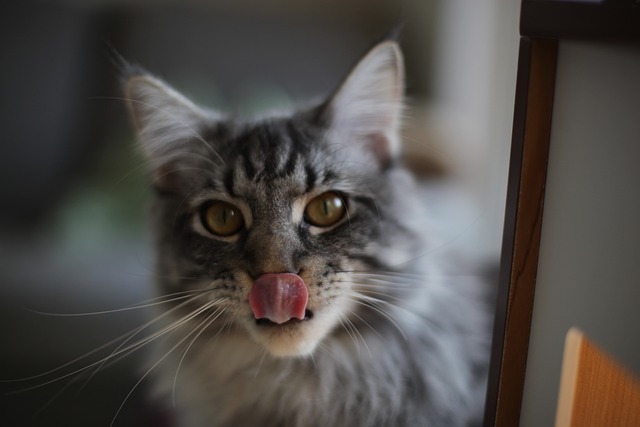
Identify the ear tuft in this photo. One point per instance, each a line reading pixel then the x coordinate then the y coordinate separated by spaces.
pixel 160 115
pixel 168 126
pixel 368 104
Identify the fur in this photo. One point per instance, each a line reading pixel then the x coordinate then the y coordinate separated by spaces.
pixel 395 338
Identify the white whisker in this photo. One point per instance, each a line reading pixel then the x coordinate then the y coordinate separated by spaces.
pixel 203 326
pixel 118 310
pixel 372 305
pixel 382 294
pixel 140 343
pixel 355 330
pixel 121 352
pixel 353 313
pixel 77 359
pixel 261 361
pixel 347 329
pixel 204 308
pixel 385 274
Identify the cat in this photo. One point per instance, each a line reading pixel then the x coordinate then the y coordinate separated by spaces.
pixel 305 282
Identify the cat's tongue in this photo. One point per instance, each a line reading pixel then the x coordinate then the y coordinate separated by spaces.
pixel 278 297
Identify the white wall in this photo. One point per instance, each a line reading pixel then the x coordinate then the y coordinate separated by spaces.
pixel 475 60
pixel 589 267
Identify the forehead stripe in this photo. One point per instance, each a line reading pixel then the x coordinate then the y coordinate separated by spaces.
pixel 249 168
pixel 271 151
pixel 228 182
pixel 311 177
pixel 290 166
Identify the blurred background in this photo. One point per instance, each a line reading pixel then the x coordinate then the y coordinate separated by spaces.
pixel 74 190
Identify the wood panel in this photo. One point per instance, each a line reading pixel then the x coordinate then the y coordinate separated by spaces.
pixel 521 238
pixel 595 391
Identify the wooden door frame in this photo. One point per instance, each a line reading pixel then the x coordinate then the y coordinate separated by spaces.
pixel 543 23
pixel 523 223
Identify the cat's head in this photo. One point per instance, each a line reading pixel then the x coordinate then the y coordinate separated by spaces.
pixel 280 219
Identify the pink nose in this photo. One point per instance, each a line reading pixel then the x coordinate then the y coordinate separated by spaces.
pixel 278 297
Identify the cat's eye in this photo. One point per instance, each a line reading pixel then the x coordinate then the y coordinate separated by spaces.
pixel 222 218
pixel 325 210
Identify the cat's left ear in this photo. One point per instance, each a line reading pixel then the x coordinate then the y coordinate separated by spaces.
pixel 367 107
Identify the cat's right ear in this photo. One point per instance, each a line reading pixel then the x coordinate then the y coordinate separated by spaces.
pixel 166 122
pixel 161 116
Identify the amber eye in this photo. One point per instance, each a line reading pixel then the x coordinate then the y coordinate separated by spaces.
pixel 222 218
pixel 325 210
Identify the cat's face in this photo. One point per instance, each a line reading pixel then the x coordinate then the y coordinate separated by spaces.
pixel 279 219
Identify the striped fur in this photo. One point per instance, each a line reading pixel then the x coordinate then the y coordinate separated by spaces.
pixel 395 339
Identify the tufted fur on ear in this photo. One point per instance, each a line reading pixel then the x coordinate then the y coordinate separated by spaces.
pixel 161 115
pixel 166 122
pixel 368 105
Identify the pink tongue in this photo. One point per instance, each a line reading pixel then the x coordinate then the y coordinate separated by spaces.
pixel 278 297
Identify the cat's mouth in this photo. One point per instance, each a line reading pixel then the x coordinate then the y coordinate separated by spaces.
pixel 308 315
pixel 279 304
pixel 279 298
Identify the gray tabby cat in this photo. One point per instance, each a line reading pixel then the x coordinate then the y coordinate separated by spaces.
pixel 307 288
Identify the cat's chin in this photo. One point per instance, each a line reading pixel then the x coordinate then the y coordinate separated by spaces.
pixel 295 339
pixel 286 346
pixel 287 340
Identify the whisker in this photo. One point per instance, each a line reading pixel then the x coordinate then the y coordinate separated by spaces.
pixel 141 343
pixel 372 305
pixel 383 274
pixel 143 304
pixel 182 169
pixel 53 398
pixel 173 155
pixel 231 321
pixel 206 307
pixel 261 361
pixel 127 350
pixel 353 313
pixel 449 242
pixel 318 160
pixel 374 283
pixel 425 319
pixel 355 330
pixel 386 295
pixel 77 359
pixel 347 329
pixel 327 350
pixel 141 167
pixel 313 360
pixel 206 322
pixel 387 283
pixel 388 287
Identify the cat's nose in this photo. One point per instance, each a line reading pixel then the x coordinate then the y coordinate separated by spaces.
pixel 271 268
pixel 278 255
pixel 273 262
